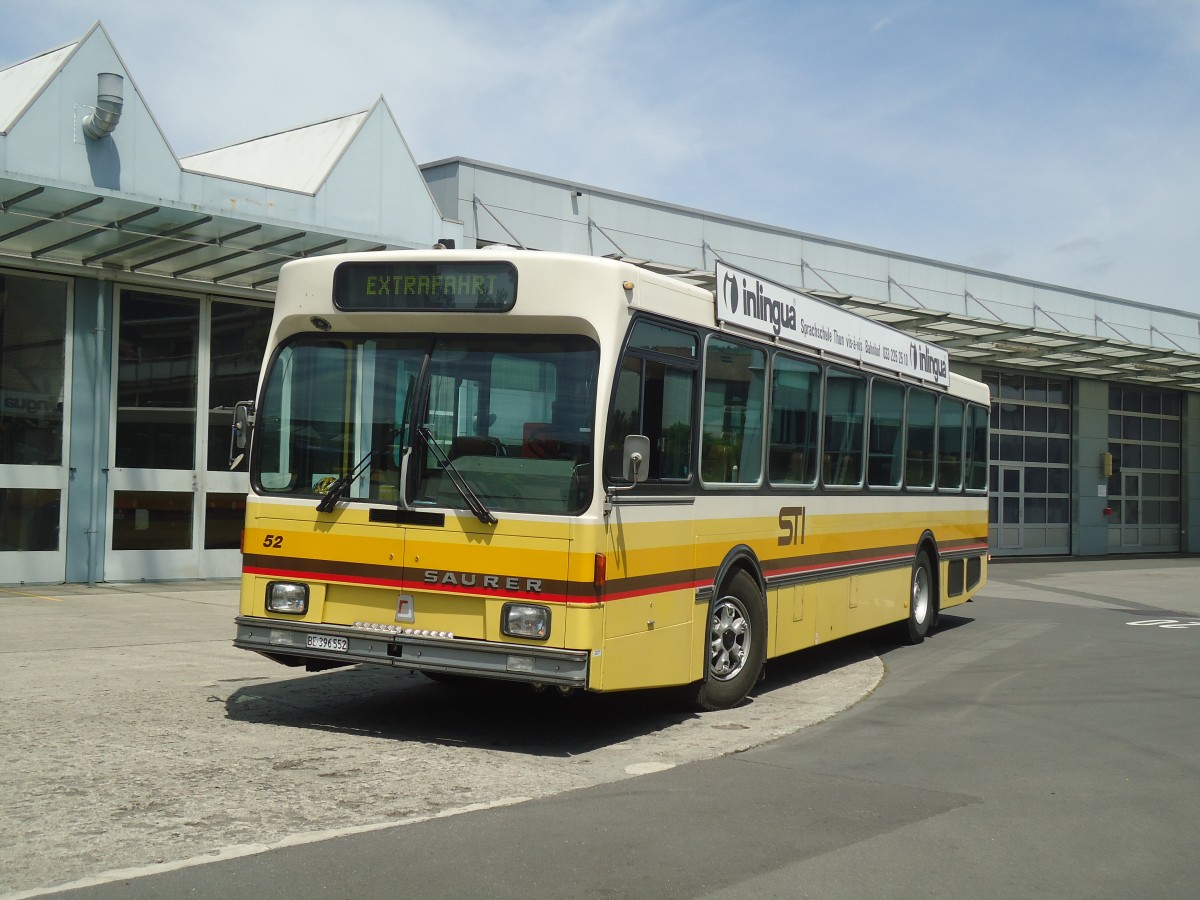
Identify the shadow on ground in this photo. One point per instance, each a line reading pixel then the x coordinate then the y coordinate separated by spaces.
pixel 401 705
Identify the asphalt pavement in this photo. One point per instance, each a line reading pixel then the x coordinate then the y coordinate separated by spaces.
pixel 1041 744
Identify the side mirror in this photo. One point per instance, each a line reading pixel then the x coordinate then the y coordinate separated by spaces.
pixel 239 437
pixel 636 466
pixel 243 421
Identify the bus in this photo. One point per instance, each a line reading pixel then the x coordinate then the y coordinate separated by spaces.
pixel 580 473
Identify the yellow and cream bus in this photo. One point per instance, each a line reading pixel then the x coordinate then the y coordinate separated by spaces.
pixel 579 473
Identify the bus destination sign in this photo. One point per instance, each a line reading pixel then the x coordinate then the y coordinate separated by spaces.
pixel 404 286
pixel 759 305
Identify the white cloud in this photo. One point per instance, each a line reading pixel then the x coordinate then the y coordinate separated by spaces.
pixel 1050 141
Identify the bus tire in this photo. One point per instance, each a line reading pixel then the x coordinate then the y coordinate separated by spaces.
pixel 922 604
pixel 735 646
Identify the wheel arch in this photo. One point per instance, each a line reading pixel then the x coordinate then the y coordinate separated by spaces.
pixel 928 544
pixel 739 559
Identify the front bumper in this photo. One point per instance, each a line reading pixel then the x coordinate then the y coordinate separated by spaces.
pixel 511 662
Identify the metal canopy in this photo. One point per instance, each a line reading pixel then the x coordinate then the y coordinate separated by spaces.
pixel 988 342
pixel 51 224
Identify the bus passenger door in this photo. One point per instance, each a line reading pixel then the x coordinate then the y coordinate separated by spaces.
pixel 650 595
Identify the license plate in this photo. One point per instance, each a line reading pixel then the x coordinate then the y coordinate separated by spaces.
pixel 324 642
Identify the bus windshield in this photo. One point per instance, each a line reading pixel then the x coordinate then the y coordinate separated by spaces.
pixel 512 414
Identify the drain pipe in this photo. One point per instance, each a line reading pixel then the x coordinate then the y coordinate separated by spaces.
pixel 104 118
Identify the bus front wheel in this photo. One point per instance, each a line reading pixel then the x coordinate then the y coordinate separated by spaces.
pixel 736 644
pixel 922 605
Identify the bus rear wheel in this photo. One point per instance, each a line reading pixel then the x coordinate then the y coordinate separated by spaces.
pixel 735 646
pixel 922 605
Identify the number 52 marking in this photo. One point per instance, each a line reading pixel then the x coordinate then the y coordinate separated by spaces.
pixel 791 521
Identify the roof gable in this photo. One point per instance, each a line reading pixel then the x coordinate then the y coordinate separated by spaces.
pixel 21 84
pixel 297 160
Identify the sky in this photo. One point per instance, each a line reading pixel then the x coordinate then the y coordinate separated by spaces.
pixel 1052 140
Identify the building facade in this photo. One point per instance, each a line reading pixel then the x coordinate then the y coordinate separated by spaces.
pixel 136 290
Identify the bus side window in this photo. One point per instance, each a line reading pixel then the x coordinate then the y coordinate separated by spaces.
pixel 920 439
pixel 654 397
pixel 845 410
pixel 732 438
pixel 950 444
pixel 886 431
pixel 795 412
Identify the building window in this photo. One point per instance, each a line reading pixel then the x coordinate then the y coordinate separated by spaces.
pixel 1144 432
pixel 237 345
pixel 157 355
pixel 33 334
pixel 1030 510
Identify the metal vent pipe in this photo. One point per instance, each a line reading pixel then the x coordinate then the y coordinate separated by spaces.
pixel 109 101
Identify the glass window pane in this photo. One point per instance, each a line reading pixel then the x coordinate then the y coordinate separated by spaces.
pixel 732 438
pixel 661 339
pixel 1012 387
pixel 1058 510
pixel 239 341
pixel 1035 510
pixel 1012 447
pixel 950 443
pixel 977 449
pixel 1059 481
pixel 1131 428
pixel 152 520
pixel 33 329
pixel 1012 416
pixel 1012 510
pixel 1035 449
pixel 885 441
pixel 513 413
pixel 795 407
pixel 224 515
pixel 156 381
pixel 1060 421
pixel 1059 450
pixel 845 408
pixel 1035 480
pixel 1035 418
pixel 625 414
pixel 29 519
pixel 921 439
pixel 1058 391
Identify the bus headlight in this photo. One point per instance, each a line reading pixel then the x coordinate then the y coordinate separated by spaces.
pixel 287 597
pixel 524 620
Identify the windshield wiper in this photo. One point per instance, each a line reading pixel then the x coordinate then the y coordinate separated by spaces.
pixel 482 513
pixel 338 489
